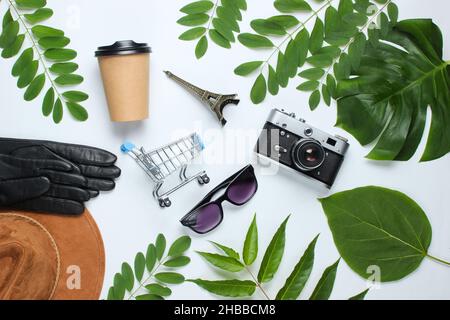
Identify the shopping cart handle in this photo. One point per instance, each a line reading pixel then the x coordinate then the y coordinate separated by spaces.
pixel 199 141
pixel 127 147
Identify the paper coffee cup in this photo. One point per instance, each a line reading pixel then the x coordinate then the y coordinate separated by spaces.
pixel 125 70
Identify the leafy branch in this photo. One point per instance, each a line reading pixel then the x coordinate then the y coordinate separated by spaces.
pixel 154 285
pixel 231 261
pixel 48 45
pixel 217 20
pixel 321 49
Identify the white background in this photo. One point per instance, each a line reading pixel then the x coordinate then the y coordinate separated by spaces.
pixel 130 219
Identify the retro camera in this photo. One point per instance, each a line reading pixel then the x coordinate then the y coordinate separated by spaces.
pixel 302 147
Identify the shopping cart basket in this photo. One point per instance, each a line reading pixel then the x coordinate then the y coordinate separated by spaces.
pixel 166 161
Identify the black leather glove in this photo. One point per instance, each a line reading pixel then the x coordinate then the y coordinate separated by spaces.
pixel 95 165
pixel 30 184
pixel 85 172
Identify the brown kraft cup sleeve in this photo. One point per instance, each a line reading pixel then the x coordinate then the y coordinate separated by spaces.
pixel 126 83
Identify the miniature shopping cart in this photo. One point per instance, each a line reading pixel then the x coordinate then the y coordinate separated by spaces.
pixel 161 163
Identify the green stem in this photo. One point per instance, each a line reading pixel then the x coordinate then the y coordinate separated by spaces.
pixel 298 29
pixel 380 10
pixel 438 260
pixel 212 14
pixel 258 284
pixel 36 49
pixel 144 283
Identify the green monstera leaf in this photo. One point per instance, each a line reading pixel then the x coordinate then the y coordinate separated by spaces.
pixel 387 96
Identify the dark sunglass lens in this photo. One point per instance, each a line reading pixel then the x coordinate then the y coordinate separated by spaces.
pixel 242 189
pixel 208 217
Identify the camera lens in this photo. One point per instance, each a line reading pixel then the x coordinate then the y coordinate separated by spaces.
pixel 308 154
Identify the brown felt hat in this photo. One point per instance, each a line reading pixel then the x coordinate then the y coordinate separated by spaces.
pixel 46 257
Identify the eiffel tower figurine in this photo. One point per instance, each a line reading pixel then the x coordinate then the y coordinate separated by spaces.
pixel 216 102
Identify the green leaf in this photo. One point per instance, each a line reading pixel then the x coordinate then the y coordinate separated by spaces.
pixel 27 75
pixel 53 42
pixel 228 15
pixel 227 288
pixel 267 27
pixel 282 70
pixel 193 34
pixel 325 285
pixel 139 266
pixel 308 86
pixel 7 18
pixel 57 111
pixel 178 262
pixel 75 96
pixel 392 225
pixel 224 29
pixel 296 282
pixel 180 246
pixel 255 41
pixel 9 34
pixel 326 95
pixel 273 255
pixel 49 101
pixel 394 115
pixel 60 55
pixel 169 277
pixel 228 251
pixel 286 21
pixel 14 48
pixel 149 297
pixel 202 47
pixel 250 251
pixel 393 12
pixel 259 90
pixel 219 39
pixel 128 276
pixel 234 7
pixel 272 82
pixel 247 68
pixel 31 4
pixel 222 262
pixel 160 245
pixel 35 88
pixel 119 286
pixel 302 40
pixel 151 257
pixel 320 60
pixel 111 295
pixel 193 20
pixel 287 6
pixel 40 31
pixel 64 68
pixel 312 74
pixel 316 39
pixel 314 100
pixel 77 111
pixel 197 7
pixel 69 79
pixel 291 58
pixel 38 15
pixel 158 290
pixel 360 296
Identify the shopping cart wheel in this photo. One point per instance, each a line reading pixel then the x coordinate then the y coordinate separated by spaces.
pixel 205 179
pixel 167 202
pixel 161 203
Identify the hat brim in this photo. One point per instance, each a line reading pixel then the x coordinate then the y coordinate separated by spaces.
pixel 81 253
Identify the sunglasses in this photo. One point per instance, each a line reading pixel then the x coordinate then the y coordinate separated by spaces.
pixel 207 215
